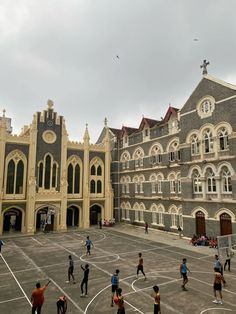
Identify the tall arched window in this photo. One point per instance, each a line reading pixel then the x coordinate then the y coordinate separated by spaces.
pixel 19 177
pixel 92 186
pixel 223 139
pixel 208 141
pixel 153 180
pixel 173 213
pixel 70 179
pixel 10 177
pixel 74 175
pixel 174 152
pixel 47 172
pixel 226 180
pixel 97 176
pixel 172 183
pixel 77 179
pixel 15 173
pixel 197 183
pixel 138 157
pixel 125 158
pixel 211 181
pixel 194 145
pixel 156 155
pixel 179 183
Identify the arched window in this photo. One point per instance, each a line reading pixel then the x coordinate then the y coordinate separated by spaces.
pixel 127 182
pixel 19 177
pixel 194 145
pixel 93 170
pixel 40 174
pixel 47 177
pixel 99 171
pixel 161 216
pixel 179 183
pixel 15 173
pixel 174 218
pixel 208 141
pixel 211 181
pixel 125 157
pixel 226 180
pixel 153 180
pixel 54 175
pixel 197 183
pixel 92 186
pixel 156 155
pixel 172 183
pixel 138 157
pixel 70 179
pixel 77 179
pixel 135 180
pixel 10 177
pixel 200 223
pixel 159 183
pixel 223 139
pixel 99 186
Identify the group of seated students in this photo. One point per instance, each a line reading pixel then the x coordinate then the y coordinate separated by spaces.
pixel 204 240
pixel 108 223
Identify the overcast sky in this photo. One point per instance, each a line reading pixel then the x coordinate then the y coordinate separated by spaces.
pixel 66 50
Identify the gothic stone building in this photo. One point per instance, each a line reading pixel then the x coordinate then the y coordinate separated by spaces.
pixel 46 177
pixel 180 171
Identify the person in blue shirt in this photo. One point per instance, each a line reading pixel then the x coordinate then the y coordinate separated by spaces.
pixel 183 273
pixel 114 285
pixel 1 244
pixel 88 244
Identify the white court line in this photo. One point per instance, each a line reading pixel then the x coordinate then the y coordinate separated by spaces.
pixel 15 279
pixel 37 241
pixel 38 268
pixel 10 300
pixel 216 308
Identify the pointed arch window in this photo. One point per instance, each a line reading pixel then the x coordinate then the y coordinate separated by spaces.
pixel 97 176
pixel 99 171
pixel 77 179
pixel 195 145
pixel 47 177
pixel 197 183
pixel 92 186
pixel 93 170
pixel 40 174
pixel 99 186
pixel 70 179
pixel 223 139
pixel 211 181
pixel 15 175
pixel 208 141
pixel 226 180
pixel 47 173
pixel 73 178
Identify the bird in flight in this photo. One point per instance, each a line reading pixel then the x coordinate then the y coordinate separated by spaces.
pixel 195 39
pixel 117 57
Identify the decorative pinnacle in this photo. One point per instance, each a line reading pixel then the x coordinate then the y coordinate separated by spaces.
pixel 105 122
pixel 50 104
pixel 204 67
pixel 4 113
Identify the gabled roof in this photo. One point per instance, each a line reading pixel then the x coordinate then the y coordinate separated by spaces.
pixel 171 111
pixel 148 123
pixel 116 132
pixel 216 80
pixel 127 130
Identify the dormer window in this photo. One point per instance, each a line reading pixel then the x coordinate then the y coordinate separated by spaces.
pixel 173 125
pixel 146 134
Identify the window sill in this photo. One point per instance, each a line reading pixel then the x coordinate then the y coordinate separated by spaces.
pixel 174 227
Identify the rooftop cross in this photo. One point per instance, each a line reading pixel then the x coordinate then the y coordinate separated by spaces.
pixel 204 66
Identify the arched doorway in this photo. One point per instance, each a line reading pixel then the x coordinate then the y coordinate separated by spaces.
pixel 225 224
pixel 200 223
pixel 44 219
pixel 72 216
pixel 12 220
pixel 95 214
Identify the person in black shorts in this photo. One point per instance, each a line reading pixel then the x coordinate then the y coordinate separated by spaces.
pixel 140 266
pixel 71 269
pixel 85 281
pixel 61 305
pixel 217 286
pixel 114 285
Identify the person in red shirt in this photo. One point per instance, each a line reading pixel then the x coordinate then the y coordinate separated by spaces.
pixel 37 297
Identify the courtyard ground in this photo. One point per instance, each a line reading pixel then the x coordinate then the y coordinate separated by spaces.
pixel 28 259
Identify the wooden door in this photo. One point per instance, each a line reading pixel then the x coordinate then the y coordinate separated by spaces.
pixel 225 224
pixel 200 224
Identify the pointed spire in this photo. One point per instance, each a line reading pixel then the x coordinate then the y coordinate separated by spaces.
pixel 4 113
pixel 105 122
pixel 50 104
pixel 86 134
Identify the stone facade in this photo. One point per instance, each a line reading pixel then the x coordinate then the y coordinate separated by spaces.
pixel 47 179
pixel 180 171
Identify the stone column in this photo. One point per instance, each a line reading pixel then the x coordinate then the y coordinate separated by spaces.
pixel 204 187
pixel 63 178
pixel 30 223
pixel 218 187
pixel 108 211
pixel 86 193
pixel 3 135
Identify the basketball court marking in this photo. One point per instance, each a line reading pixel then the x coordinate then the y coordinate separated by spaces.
pixel 37 241
pixel 155 276
pixel 116 258
pixel 10 300
pixel 61 290
pixel 215 309
pixel 15 279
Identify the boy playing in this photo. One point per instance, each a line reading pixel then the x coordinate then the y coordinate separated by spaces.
pixel 120 302
pixel 88 244
pixel 157 300
pixel 61 305
pixel 85 281
pixel 114 285
pixel 37 297
pixel 183 273
pixel 140 265
pixel 71 269
pixel 217 285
